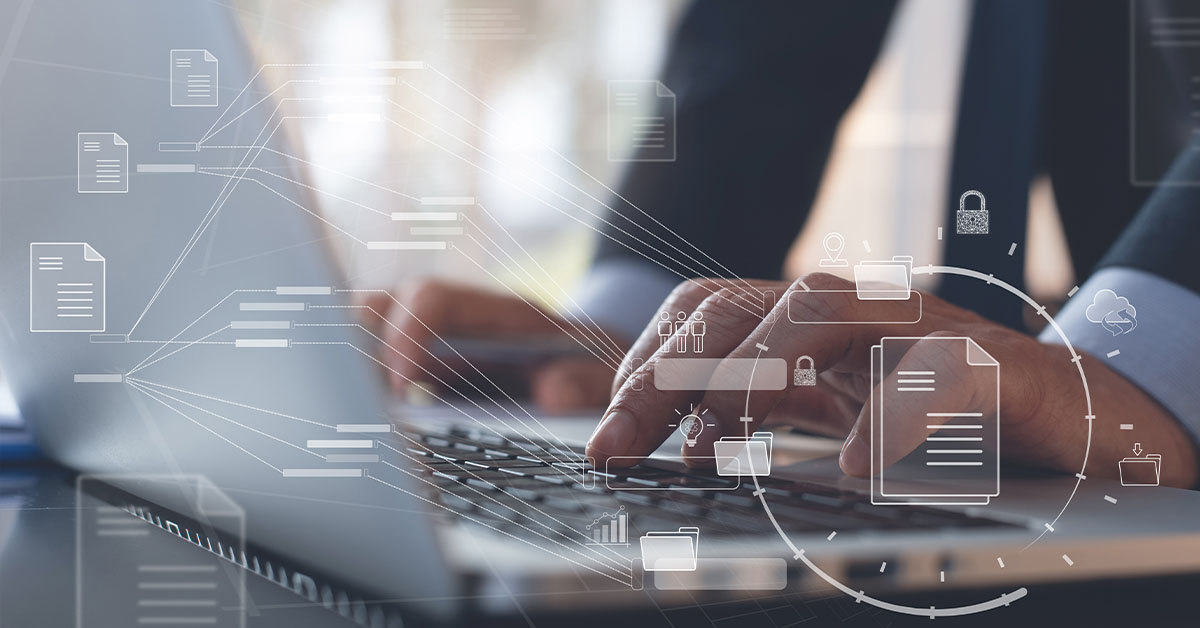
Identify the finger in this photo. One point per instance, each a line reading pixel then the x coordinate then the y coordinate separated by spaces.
pixel 754 297
pixel 811 320
pixel 939 403
pixel 818 409
pixel 569 385
pixel 641 414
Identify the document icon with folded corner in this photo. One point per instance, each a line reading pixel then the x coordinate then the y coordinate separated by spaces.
pixel 119 582
pixel 193 78
pixel 671 551
pixel 1141 471
pixel 742 456
pixel 884 280
pixel 944 394
pixel 641 121
pixel 66 287
pixel 101 163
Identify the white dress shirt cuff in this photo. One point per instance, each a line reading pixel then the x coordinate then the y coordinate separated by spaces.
pixel 1160 355
pixel 622 295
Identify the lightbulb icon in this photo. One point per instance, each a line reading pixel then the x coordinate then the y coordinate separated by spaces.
pixel 690 425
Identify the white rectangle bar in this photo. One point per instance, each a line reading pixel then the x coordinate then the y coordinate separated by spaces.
pixel 343 99
pixel 424 216
pixel 447 200
pixel 356 80
pixel 1127 426
pixel 353 458
pixel 166 168
pixel 178 147
pixel 260 325
pixel 291 291
pixel 954 464
pixel 108 338
pixel 261 343
pixel 396 65
pixel 341 444
pixel 282 306
pixel 740 374
pixel 435 231
pixel 406 245
pixel 354 117
pixel 322 473
pixel 99 378
pixel 364 428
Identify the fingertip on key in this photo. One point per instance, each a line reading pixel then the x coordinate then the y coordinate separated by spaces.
pixel 855 458
pixel 613 437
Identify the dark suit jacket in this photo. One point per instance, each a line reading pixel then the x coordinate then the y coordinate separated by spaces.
pixel 761 87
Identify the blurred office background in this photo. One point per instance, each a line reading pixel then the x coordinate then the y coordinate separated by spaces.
pixel 520 90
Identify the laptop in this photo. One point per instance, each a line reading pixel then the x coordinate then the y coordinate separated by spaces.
pixel 226 351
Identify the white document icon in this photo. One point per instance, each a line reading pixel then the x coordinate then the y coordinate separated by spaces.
pixel 102 163
pixel 884 280
pixel 671 551
pixel 741 456
pixel 193 78
pixel 66 287
pixel 641 121
pixel 958 461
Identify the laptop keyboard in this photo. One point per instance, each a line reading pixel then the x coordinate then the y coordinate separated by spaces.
pixel 516 486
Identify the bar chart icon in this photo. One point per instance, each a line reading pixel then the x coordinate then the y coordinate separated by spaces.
pixel 610 528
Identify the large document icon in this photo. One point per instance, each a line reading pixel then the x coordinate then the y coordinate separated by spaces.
pixel 66 287
pixel 193 78
pixel 945 394
pixel 102 163
pixel 641 121
pixel 196 579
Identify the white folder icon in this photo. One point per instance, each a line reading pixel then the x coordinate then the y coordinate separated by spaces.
pixel 1144 471
pixel 671 551
pixel 741 456
pixel 884 280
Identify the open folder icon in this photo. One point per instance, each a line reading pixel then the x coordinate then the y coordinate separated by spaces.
pixel 884 280
pixel 671 551
pixel 1144 471
pixel 741 456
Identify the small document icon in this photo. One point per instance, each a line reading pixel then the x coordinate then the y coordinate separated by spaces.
pixel 671 551
pixel 641 121
pixel 745 457
pixel 102 163
pixel 958 458
pixel 193 78
pixel 66 287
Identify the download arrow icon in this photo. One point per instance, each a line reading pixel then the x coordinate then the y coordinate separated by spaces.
pixel 1137 449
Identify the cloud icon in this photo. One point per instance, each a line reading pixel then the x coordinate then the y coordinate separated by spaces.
pixel 1112 312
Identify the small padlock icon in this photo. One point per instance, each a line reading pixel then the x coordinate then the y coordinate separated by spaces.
pixel 971 221
pixel 804 376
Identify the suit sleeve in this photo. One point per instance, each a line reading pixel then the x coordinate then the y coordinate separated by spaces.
pixel 760 88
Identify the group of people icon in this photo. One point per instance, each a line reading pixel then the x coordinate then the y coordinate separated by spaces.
pixel 683 328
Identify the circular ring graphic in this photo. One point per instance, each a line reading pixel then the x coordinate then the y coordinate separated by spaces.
pixel 931 611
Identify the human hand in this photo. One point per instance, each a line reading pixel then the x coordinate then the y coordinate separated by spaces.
pixel 1041 399
pixel 410 321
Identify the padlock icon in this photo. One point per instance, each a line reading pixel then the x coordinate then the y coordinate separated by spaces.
pixel 805 376
pixel 971 221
